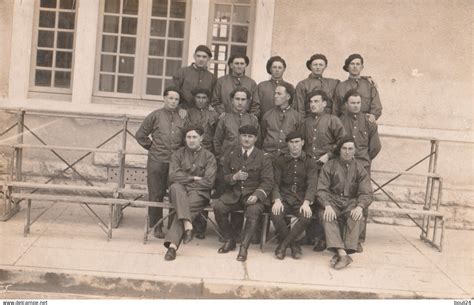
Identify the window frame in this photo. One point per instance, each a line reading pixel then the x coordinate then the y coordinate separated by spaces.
pixel 34 50
pixel 141 55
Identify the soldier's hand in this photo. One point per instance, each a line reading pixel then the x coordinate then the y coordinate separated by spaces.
pixel 277 207
pixel 305 209
pixel 371 117
pixel 329 214
pixel 196 178
pixel 182 113
pixel 324 158
pixel 356 213
pixel 252 199
pixel 211 108
pixel 221 115
pixel 240 175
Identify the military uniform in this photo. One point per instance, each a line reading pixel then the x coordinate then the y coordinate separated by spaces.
pixel 277 123
pixel 344 185
pixel 166 129
pixel 221 100
pixel 266 92
pixel 191 77
pixel 312 83
pixel 205 119
pixel 369 96
pixel 188 196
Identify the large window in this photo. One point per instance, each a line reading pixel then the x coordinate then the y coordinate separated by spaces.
pixel 52 56
pixel 141 45
pixel 230 31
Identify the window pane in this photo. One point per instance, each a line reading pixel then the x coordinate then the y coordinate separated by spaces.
pixel 176 29
pixel 46 39
pixel 48 3
pixel 238 50
pixel 155 66
pixel 64 59
pixel 175 48
pixel 157 47
pixel 111 24
pixel 222 13
pixel 67 4
pixel 66 21
pixel 65 40
pixel 154 86
pixel 240 33
pixel 107 63
pixel 158 28
pixel 220 52
pixel 44 58
pixel 43 78
pixel 178 9
pixel 62 79
pixel 130 7
pixel 106 83
pixel 47 19
pixel 126 64
pixel 241 14
pixel 129 25
pixel 127 45
pixel 125 84
pixel 109 43
pixel 159 8
pixel 220 32
pixel 112 6
pixel 172 66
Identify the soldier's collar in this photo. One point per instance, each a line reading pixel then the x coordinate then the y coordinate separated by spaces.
pixel 312 75
pixel 198 68
pixel 302 156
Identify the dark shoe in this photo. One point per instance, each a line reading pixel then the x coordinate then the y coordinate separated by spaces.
pixel 359 248
pixel 334 260
pixel 242 257
pixel 228 246
pixel 296 252
pixel 342 262
pixel 320 246
pixel 200 235
pixel 280 252
pixel 170 254
pixel 188 236
pixel 158 233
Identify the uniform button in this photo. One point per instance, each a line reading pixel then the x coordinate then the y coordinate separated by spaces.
pixel 281 130
pixel 354 137
pixel 314 138
pixel 355 127
pixel 280 140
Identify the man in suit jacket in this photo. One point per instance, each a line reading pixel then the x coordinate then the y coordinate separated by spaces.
pixel 248 175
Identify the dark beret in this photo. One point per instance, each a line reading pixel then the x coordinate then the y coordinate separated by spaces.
pixel 196 91
pixel 195 128
pixel 204 49
pixel 314 57
pixel 323 94
pixel 351 58
pixel 248 129
pixel 293 135
pixel 234 56
pixel 172 88
pixel 345 140
pixel 272 59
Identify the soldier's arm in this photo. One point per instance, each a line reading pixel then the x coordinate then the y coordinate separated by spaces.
pixel 299 101
pixel 312 181
pixel 336 106
pixel 216 101
pixel 207 181
pixel 255 101
pixel 219 137
pixel 324 184
pixel 178 78
pixel 266 180
pixel 277 172
pixel 338 133
pixel 176 173
pixel 364 192
pixel 146 128
pixel 375 104
pixel 226 168
pixel 374 141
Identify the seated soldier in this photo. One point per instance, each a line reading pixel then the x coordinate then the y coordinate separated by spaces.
pixel 344 190
pixel 293 193
pixel 192 175
pixel 248 175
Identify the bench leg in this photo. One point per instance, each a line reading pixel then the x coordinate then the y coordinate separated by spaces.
pixel 26 231
pixel 265 225
pixel 111 216
pixel 147 223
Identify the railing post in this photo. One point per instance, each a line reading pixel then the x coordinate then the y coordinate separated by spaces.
pixel 118 214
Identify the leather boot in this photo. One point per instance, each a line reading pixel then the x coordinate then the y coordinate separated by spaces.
pixel 249 231
pixel 289 241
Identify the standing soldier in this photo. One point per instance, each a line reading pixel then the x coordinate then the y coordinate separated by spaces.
pixel 276 67
pixel 236 78
pixel 194 76
pixel 321 133
pixel 343 191
pixel 315 81
pixel 280 121
pixel 366 138
pixel 371 104
pixel 192 174
pixel 248 175
pixel 293 193
pixel 166 129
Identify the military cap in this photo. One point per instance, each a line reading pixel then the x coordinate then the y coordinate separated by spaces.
pixel 248 129
pixel 195 128
pixel 203 48
pixel 197 91
pixel 314 57
pixel 293 135
pixel 350 59
pixel 234 56
pixel 272 59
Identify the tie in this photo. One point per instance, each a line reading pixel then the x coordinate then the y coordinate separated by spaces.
pixel 245 155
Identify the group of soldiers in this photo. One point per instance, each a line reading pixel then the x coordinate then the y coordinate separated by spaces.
pixel 239 146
